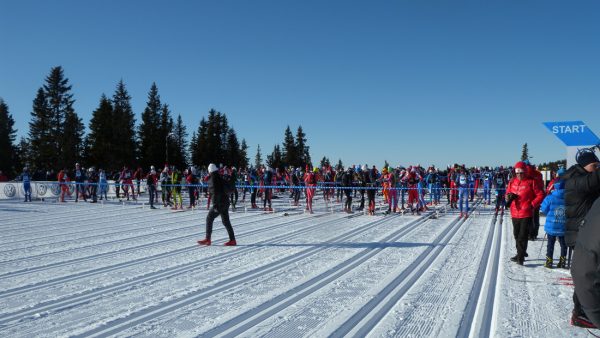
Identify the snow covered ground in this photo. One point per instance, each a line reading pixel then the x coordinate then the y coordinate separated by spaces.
pixel 124 270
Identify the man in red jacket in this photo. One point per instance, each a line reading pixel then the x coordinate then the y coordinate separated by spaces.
pixel 523 195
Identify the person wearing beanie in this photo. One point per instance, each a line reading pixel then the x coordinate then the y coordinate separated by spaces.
pixel 582 188
pixel 268 181
pixel 310 181
pixel 523 195
pixel 219 190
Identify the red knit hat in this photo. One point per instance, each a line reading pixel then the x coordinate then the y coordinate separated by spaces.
pixel 521 165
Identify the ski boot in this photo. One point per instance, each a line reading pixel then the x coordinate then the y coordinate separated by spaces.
pixel 548 263
pixel 562 262
pixel 231 243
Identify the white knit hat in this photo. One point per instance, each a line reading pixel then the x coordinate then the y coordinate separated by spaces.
pixel 212 168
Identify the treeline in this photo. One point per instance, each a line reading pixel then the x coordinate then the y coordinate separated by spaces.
pixel 56 137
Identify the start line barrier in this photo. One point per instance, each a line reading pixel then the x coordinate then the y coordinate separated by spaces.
pixel 52 189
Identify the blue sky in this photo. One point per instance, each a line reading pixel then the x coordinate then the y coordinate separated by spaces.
pixel 428 82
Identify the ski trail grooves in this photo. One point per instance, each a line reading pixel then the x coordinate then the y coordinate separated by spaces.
pixel 161 309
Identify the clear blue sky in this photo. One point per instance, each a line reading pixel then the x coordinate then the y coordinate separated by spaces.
pixel 429 82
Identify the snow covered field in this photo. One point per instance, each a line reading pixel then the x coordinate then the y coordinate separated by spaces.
pixel 123 270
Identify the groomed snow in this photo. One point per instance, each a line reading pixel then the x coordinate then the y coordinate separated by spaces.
pixel 80 269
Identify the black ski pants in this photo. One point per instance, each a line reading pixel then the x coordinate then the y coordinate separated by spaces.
pixel 223 211
pixel 521 228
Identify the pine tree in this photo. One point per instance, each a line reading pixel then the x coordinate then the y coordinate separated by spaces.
pixel 72 140
pixel 233 149
pixel 66 128
pixel 244 155
pixel 199 147
pixel 324 162
pixel 290 153
pixel 340 165
pixel 149 135
pixel 166 134
pixel 179 141
pixel 258 157
pixel 275 160
pixel 525 153
pixel 302 148
pixel 23 157
pixel 192 149
pixel 101 148
pixel 43 151
pixel 123 143
pixel 8 151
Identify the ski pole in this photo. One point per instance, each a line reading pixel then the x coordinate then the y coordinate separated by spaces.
pixel 540 252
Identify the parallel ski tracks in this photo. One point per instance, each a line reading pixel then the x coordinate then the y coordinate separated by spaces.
pixel 482 299
pixel 74 300
pixel 158 310
pixel 134 262
pixel 162 222
pixel 369 315
pixel 55 264
pixel 255 316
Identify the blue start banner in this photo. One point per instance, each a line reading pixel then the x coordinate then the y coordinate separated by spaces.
pixel 573 133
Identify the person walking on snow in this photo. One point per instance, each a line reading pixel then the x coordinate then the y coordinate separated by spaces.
pixel 103 184
pixel 347 181
pixel 151 180
pixel 63 181
pixel 79 178
pixel 553 207
pixel 523 195
pixel 487 178
pixel 500 186
pixel 463 184
pixel 219 191
pixel 26 179
pixel 310 180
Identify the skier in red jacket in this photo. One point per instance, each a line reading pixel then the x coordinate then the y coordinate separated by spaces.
pixel 523 195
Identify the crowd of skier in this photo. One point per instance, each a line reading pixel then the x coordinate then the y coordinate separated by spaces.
pixel 402 189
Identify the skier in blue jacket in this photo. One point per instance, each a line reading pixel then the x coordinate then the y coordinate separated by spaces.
pixel 26 178
pixel 553 207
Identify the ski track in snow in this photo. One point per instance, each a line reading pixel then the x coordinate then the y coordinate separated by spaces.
pixel 120 270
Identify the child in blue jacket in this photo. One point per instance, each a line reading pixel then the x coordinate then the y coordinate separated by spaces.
pixel 553 207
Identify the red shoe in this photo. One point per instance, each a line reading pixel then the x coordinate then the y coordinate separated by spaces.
pixel 230 243
pixel 205 241
pixel 581 321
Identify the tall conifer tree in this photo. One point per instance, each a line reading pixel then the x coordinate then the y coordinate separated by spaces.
pixel 8 154
pixel 290 153
pixel 101 147
pixel 179 141
pixel 123 121
pixel 149 134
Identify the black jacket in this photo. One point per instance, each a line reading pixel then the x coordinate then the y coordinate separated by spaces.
pixel 586 268
pixel 581 190
pixel 217 187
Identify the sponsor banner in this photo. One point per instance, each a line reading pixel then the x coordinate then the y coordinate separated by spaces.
pixel 52 189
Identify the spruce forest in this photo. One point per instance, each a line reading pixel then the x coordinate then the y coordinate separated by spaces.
pixel 57 136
